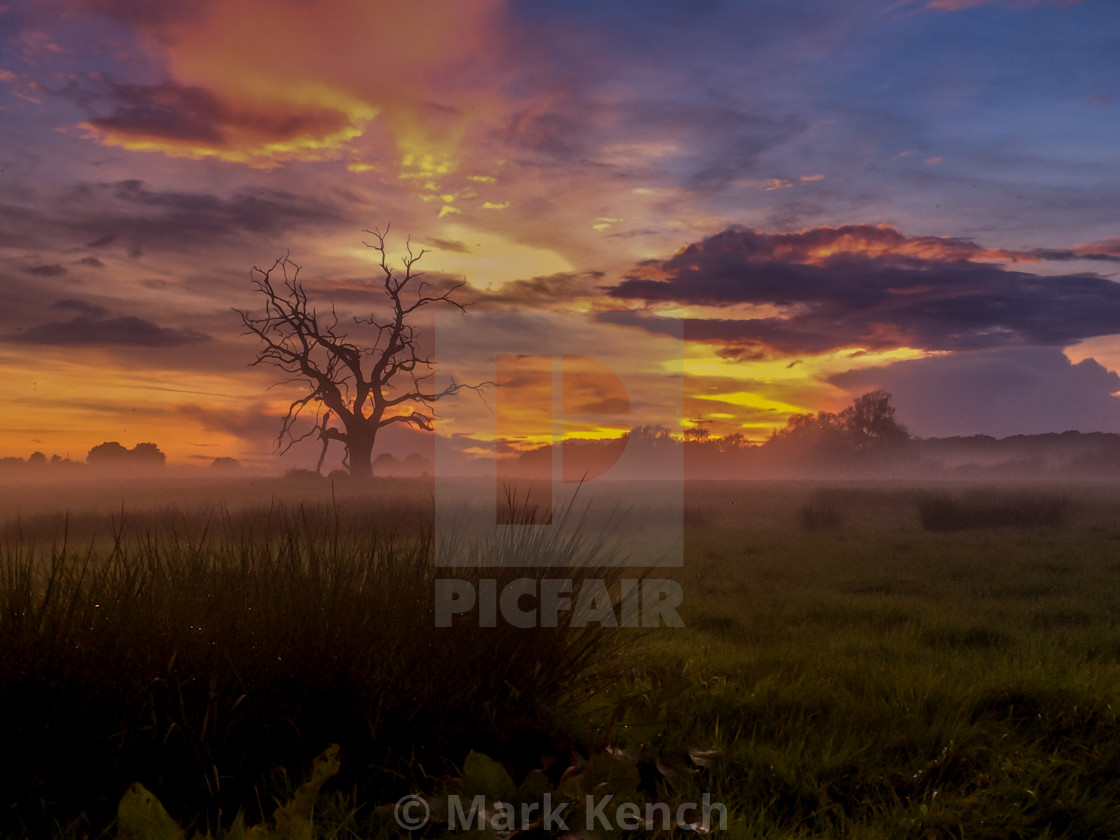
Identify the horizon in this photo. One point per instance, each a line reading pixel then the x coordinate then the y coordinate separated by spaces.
pixel 803 205
pixel 1045 457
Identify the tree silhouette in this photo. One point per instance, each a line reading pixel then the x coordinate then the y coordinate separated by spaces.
pixel 148 454
pixel 109 452
pixel 365 386
pixel 870 422
pixel 865 428
pixel 112 454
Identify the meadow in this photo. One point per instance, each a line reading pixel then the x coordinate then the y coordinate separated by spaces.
pixel 864 660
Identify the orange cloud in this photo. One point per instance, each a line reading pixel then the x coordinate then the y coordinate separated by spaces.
pixel 1105 247
pixel 262 83
pixel 194 123
pixel 814 246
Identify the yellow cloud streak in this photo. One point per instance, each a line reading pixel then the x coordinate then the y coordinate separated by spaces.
pixel 780 384
pixel 267 155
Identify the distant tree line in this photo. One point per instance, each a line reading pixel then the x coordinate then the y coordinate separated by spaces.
pixel 109 454
pixel 863 438
pixel 37 460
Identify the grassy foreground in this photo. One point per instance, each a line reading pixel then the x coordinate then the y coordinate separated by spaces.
pixel 875 679
pixel 845 671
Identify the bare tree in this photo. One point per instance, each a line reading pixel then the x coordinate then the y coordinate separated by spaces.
pixel 362 386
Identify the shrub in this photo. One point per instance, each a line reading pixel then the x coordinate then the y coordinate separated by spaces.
pixel 942 512
pixel 822 513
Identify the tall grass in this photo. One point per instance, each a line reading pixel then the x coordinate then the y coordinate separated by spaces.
pixel 200 655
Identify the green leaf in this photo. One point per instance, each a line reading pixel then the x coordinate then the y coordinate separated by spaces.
pixel 482 774
pixel 293 821
pixel 141 816
pixel 615 775
pixel 535 786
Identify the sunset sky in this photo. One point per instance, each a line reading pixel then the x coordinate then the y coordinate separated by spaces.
pixel 829 196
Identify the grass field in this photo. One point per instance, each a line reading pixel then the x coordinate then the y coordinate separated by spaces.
pixel 865 661
pixel 879 680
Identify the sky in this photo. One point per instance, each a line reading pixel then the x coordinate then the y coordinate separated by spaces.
pixel 822 197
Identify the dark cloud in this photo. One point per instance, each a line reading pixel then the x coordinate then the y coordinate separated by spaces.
pixel 256 423
pixel 188 114
pixel 256 211
pixel 451 245
pixel 126 330
pixel 863 286
pixel 1022 390
pixel 885 243
pixel 136 218
pixel 194 115
pixel 633 234
pixel 54 270
pixel 536 292
pixel 81 306
pixel 707 145
pixel 361 294
pixel 1066 256
pixel 92 262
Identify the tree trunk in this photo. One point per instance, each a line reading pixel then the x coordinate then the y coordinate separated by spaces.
pixel 360 449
